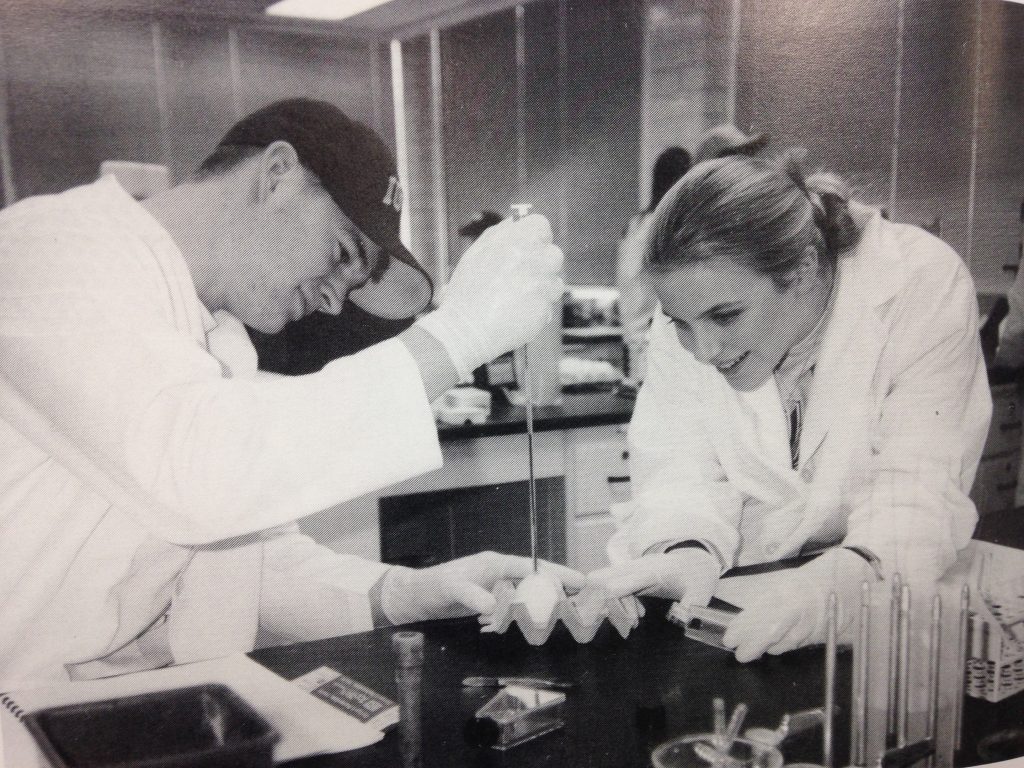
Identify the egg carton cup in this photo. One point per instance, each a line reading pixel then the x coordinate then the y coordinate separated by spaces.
pixel 582 614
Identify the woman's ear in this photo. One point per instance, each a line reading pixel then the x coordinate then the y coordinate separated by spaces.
pixel 806 271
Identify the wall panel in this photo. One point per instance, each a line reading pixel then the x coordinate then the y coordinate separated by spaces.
pixel 1000 174
pixel 605 43
pixel 199 93
pixel 821 74
pixel 277 65
pixel 419 184
pixel 935 117
pixel 478 78
pixel 81 90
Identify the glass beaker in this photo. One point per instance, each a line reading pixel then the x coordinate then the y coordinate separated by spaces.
pixel 699 751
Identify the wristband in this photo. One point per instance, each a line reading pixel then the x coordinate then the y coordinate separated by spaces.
pixel 698 544
pixel 689 544
pixel 869 557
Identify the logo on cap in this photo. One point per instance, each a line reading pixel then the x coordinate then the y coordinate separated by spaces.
pixel 393 196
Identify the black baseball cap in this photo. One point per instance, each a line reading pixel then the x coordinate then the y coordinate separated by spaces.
pixel 480 222
pixel 358 171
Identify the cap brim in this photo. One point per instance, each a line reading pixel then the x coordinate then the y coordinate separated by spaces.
pixel 403 291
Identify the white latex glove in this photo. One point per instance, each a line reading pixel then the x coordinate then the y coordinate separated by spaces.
pixel 460 587
pixel 794 614
pixel 686 575
pixel 500 295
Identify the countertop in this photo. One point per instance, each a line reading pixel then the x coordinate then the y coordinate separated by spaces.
pixel 584 410
pixel 631 694
pixel 576 411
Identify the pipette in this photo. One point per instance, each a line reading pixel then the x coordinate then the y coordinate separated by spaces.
pixel 518 212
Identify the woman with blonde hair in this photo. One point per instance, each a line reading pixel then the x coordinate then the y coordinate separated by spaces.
pixel 815 382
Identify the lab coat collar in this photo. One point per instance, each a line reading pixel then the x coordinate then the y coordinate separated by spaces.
pixel 866 279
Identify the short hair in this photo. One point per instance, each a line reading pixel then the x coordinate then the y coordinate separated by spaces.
pixel 224 159
pixel 760 213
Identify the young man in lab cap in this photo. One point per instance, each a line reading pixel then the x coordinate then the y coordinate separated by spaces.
pixel 149 486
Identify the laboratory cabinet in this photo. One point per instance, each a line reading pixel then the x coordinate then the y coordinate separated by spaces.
pixel 478 501
pixel 996 482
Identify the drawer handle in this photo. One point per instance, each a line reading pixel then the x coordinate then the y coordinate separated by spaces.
pixel 618 479
pixel 625 455
pixel 1011 426
pixel 1006 486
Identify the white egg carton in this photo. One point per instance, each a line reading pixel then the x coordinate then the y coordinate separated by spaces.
pixel 582 614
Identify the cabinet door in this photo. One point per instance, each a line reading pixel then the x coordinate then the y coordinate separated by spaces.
pixel 600 469
pixel 995 484
pixel 597 476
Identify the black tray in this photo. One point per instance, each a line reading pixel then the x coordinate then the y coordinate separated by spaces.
pixel 204 726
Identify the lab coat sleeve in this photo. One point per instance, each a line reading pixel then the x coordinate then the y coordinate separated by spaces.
pixel 95 354
pixel 915 513
pixel 680 490
pixel 310 592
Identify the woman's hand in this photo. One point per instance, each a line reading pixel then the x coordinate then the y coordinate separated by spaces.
pixel 795 612
pixel 686 575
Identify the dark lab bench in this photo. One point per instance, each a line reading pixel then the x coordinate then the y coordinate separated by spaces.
pixel 576 411
pixel 632 694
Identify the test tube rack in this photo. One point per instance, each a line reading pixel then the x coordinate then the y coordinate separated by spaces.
pixel 908 711
pixel 582 614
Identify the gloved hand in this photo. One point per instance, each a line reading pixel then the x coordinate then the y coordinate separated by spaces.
pixel 686 575
pixel 794 614
pixel 500 295
pixel 460 587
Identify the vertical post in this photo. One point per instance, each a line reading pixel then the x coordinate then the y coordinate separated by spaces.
pixel 562 231
pixel 521 174
pixel 961 656
pixel 903 697
pixel 860 690
pixel 830 681
pixel 401 138
pixel 545 350
pixel 972 184
pixel 934 647
pixel 897 111
pixel 894 658
pixel 438 184
pixel 408 676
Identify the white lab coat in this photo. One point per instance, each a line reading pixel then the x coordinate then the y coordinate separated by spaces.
pixel 138 482
pixel 897 416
